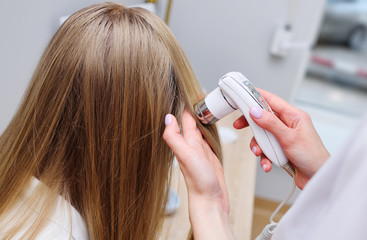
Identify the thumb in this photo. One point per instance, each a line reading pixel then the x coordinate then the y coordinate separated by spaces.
pixel 174 139
pixel 270 122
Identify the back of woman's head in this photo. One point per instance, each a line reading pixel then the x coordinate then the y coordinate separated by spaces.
pixel 91 122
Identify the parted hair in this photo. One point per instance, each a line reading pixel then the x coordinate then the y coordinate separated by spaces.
pixel 90 125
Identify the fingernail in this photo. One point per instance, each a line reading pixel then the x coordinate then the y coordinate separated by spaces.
pixel 254 150
pixel 168 119
pixel 264 167
pixel 256 111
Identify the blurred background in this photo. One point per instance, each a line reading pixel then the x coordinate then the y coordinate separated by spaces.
pixel 311 53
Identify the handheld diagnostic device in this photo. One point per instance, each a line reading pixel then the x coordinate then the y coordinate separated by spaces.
pixel 235 91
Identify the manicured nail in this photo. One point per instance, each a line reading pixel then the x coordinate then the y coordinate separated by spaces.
pixel 264 167
pixel 168 119
pixel 256 111
pixel 254 150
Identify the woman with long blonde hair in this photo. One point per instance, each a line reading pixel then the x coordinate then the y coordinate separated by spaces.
pixel 87 137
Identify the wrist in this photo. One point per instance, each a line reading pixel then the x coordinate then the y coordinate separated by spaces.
pixel 209 219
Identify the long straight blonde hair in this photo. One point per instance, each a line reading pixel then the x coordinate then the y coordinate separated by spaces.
pixel 90 124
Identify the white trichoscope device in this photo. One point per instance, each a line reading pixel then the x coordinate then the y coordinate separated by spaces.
pixel 235 91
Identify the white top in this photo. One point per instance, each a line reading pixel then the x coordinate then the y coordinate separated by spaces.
pixel 61 226
pixel 333 205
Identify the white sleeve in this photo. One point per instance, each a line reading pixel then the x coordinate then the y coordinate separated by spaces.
pixel 63 226
pixel 333 205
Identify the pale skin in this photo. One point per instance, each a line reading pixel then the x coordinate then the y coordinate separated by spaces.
pixel 296 134
pixel 203 173
pixel 207 191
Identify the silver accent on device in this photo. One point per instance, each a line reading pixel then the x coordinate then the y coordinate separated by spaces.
pixel 204 114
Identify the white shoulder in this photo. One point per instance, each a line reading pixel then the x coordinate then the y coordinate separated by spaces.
pixel 65 223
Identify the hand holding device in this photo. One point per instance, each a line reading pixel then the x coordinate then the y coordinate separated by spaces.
pixel 296 134
pixel 235 91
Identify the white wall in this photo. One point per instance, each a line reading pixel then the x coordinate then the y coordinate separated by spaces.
pixel 221 36
pixel 26 28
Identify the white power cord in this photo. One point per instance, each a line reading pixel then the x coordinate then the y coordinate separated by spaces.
pixel 269 229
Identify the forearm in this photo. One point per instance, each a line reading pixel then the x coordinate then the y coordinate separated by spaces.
pixel 209 220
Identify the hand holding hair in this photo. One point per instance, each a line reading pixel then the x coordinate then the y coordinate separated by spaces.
pixel 204 177
pixel 296 134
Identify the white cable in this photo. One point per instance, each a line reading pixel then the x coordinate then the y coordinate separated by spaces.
pixel 269 229
pixel 283 202
pixel 267 232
